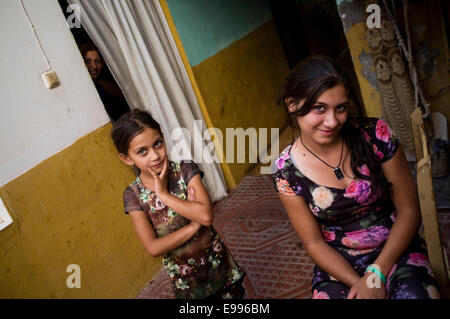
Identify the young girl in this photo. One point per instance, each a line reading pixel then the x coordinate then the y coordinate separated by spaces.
pixel 346 186
pixel 172 215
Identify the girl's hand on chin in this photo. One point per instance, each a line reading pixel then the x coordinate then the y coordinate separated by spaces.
pixel 161 178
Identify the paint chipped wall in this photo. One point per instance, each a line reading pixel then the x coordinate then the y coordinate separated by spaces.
pixel 353 19
pixel 429 44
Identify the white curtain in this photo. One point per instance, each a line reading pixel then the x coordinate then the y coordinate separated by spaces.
pixel 137 45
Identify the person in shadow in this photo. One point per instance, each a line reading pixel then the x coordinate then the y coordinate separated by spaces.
pixel 109 92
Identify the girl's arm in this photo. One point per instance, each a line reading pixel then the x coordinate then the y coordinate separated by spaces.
pixel 406 202
pixel 310 235
pixel 407 220
pixel 158 246
pixel 199 209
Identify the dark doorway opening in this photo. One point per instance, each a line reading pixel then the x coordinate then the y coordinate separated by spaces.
pixel 110 93
pixel 314 27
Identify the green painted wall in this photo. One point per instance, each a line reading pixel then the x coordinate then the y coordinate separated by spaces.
pixel 208 26
pixel 252 71
pixel 238 64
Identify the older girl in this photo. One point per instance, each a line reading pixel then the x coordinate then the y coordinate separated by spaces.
pixel 172 215
pixel 347 188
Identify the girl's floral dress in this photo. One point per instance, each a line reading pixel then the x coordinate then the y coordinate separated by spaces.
pixel 356 223
pixel 203 266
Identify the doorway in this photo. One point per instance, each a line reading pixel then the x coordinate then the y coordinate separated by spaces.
pixel 314 27
pixel 109 92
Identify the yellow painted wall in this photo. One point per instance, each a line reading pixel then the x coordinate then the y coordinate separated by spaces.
pixel 357 44
pixel 240 85
pixel 425 17
pixel 68 210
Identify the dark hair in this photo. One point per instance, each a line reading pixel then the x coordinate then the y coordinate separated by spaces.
pixel 129 125
pixel 89 46
pixel 307 81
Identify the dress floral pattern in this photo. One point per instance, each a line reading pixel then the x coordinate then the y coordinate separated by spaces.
pixel 201 267
pixel 356 223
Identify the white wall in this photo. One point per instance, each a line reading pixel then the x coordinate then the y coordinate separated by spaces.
pixel 36 122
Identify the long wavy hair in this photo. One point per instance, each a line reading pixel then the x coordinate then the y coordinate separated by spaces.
pixel 307 81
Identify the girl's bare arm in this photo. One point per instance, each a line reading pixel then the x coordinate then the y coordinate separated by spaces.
pixel 310 235
pixel 158 246
pixel 406 202
pixel 199 209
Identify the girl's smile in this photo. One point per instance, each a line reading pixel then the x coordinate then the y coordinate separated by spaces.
pixel 327 132
pixel 156 166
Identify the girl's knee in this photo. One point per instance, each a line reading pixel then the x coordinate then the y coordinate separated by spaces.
pixel 413 290
pixel 412 278
pixel 412 283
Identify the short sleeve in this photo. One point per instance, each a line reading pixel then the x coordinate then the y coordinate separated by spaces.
pixel 384 142
pixel 281 184
pixel 189 170
pixel 131 201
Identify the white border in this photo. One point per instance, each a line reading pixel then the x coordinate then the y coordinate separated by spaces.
pixel 5 218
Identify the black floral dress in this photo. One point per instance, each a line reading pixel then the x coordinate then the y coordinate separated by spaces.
pixel 357 224
pixel 202 267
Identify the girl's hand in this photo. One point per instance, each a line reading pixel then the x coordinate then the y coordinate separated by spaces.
pixel 361 289
pixel 161 178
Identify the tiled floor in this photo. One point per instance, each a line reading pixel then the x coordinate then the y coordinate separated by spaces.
pixel 257 231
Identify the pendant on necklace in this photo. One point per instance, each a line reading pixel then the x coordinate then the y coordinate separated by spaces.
pixel 338 173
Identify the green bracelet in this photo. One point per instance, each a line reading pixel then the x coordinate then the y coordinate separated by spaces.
pixel 377 272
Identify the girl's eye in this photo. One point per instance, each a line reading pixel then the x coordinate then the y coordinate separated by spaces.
pixel 141 151
pixel 157 144
pixel 341 108
pixel 319 108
